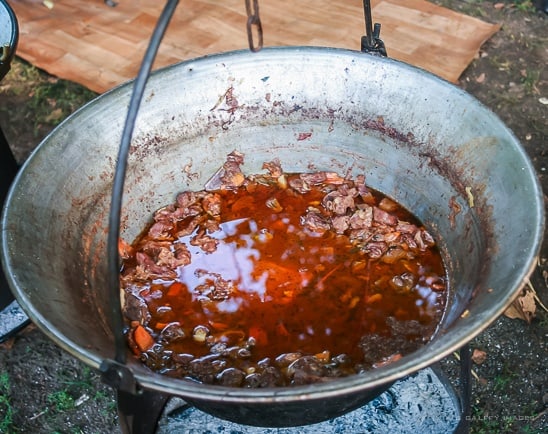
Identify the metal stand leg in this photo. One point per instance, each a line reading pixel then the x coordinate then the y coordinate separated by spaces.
pixel 139 410
pixel 465 389
pixel 140 413
pixel 12 317
pixel 8 165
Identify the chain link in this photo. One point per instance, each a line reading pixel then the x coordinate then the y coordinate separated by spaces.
pixel 253 19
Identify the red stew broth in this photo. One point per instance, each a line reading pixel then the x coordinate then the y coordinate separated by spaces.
pixel 288 288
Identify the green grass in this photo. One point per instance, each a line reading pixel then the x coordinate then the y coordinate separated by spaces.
pixel 51 99
pixel 525 6
pixel 66 399
pixel 6 410
pixel 55 101
pixel 503 379
pixel 480 422
pixel 530 81
pixel 109 403
pixel 61 401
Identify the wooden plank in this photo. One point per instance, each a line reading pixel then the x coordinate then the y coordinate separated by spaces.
pixel 101 47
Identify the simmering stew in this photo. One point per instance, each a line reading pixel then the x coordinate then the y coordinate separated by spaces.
pixel 280 279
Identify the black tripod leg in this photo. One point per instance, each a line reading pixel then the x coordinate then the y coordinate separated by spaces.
pixel 465 389
pixel 12 317
pixel 8 165
pixel 140 413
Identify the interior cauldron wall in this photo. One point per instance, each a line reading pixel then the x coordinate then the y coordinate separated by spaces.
pixel 418 139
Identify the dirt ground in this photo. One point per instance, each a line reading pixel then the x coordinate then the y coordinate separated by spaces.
pixel 44 390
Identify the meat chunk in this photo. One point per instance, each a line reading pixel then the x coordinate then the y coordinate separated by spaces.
pixel 232 176
pixel 340 223
pixel 274 168
pixel 205 242
pixel 340 200
pixel 362 218
pixel 299 185
pixel 383 217
pixel 315 221
pixel 135 308
pixel 148 269
pixel 211 204
pixel 215 287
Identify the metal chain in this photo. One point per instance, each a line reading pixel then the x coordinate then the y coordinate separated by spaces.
pixel 253 19
pixel 371 42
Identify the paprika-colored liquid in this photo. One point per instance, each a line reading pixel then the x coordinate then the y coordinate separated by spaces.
pixel 292 289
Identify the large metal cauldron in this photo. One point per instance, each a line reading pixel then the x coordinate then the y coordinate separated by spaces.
pixel 417 138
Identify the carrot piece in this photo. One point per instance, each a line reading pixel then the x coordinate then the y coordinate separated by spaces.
pixel 279 278
pixel 373 298
pixel 279 225
pixel 324 356
pixel 218 325
pixel 160 325
pixel 142 338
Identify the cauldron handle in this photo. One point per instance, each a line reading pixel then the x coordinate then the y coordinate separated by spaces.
pixel 113 257
pixel 138 409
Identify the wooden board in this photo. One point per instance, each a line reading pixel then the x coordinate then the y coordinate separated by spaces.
pixel 100 47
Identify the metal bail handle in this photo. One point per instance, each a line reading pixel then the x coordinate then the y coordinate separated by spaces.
pixel 113 258
pixel 138 409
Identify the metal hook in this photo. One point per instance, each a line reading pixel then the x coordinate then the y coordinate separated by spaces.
pixel 371 42
pixel 253 19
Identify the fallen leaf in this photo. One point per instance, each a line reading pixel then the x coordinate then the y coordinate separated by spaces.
pixel 498 5
pixel 7 344
pixel 54 115
pixel 478 356
pixel 523 307
pixel 481 78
